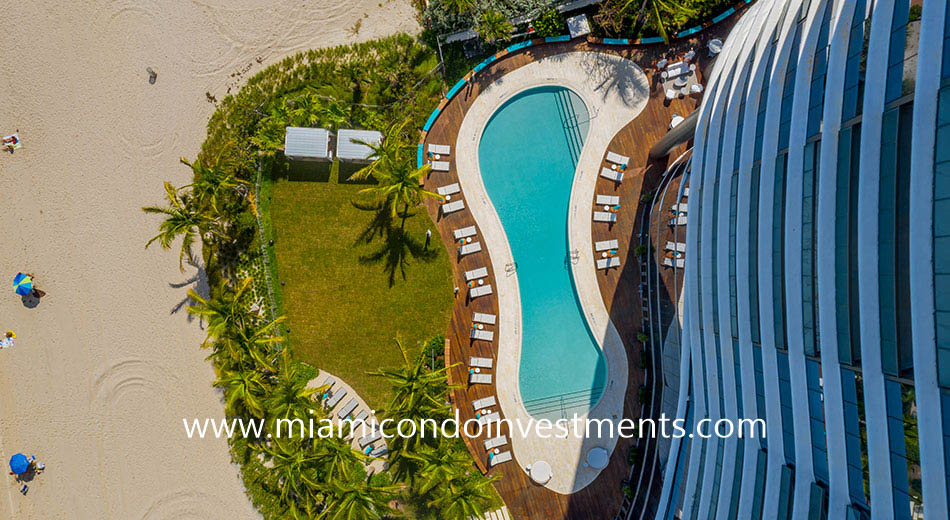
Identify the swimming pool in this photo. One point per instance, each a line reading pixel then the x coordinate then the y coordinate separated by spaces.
pixel 527 155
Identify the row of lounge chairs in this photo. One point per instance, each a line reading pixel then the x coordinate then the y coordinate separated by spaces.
pixel 618 164
pixel 435 153
pixel 608 249
pixel 332 398
pixel 476 289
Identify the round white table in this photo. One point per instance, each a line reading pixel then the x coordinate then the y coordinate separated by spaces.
pixel 597 458
pixel 540 472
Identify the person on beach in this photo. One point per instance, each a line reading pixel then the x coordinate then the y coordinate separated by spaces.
pixel 11 142
pixel 7 340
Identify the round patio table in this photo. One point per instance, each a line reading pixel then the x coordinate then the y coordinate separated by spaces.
pixel 597 458
pixel 541 472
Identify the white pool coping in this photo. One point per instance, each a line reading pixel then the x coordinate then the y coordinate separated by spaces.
pixel 615 91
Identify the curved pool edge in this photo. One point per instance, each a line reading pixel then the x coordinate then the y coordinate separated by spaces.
pixel 583 73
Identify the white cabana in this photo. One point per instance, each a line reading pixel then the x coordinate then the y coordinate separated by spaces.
pixel 307 144
pixel 350 147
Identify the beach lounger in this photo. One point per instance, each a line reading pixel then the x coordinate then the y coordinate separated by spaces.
pixel 481 290
pixel 496 442
pixel 484 402
pixel 675 246
pixel 336 397
pixel 441 149
pixel 449 190
pixel 452 207
pixel 489 418
pixel 440 166
pixel 369 439
pixel 480 362
pixel 608 200
pixel 467 249
pixel 348 409
pixel 464 232
pixel 604 216
pixel 328 383
pixel 686 191
pixel 678 221
pixel 475 274
pixel 606 245
pixel 607 263
pixel 479 378
pixel 680 262
pixel 481 317
pixel 679 208
pixel 614 175
pixel 484 335
pixel 379 452
pixel 616 158
pixel 361 417
pixel 494 460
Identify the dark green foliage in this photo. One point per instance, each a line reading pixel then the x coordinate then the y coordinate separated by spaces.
pixel 550 23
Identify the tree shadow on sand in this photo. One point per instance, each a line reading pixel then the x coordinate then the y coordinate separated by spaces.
pixel 396 246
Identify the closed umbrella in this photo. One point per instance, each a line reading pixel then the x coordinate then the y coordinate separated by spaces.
pixel 22 284
pixel 19 463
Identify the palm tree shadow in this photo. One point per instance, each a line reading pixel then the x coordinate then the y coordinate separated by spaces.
pixel 396 246
pixel 198 282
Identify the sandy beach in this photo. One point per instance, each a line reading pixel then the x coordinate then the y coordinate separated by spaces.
pixel 107 365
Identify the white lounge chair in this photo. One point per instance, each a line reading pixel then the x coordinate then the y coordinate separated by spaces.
pixel 348 409
pixel 481 290
pixel 369 439
pixel 484 402
pixel 494 460
pixel 679 208
pixel 449 190
pixel 604 216
pixel 480 362
pixel 607 263
pixel 468 249
pixel 475 274
pixel 680 262
pixel 452 207
pixel 608 200
pixel 440 166
pixel 479 378
pixel 495 442
pixel 464 232
pixel 678 221
pixel 614 175
pixel 675 246
pixel 484 335
pixel 328 384
pixel 606 245
pixel 361 417
pixel 686 191
pixel 481 317
pixel 441 149
pixel 616 158
pixel 336 397
pixel 379 452
pixel 489 418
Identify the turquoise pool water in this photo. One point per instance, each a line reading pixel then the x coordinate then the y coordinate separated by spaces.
pixel 527 155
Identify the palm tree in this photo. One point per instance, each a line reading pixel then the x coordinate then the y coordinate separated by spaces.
pixel 291 398
pixel 337 459
pixel 438 465
pixel 294 472
pixel 464 497
pixel 182 218
pixel 250 345
pixel 332 112
pixel 243 391
pixel 667 13
pixel 225 312
pixel 493 26
pixel 402 186
pixel 358 498
pixel 210 182
pixel 418 391
pixel 387 155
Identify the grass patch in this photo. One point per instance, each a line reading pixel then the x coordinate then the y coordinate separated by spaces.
pixel 347 291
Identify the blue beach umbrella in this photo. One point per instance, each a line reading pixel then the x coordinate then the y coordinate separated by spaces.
pixel 19 463
pixel 22 284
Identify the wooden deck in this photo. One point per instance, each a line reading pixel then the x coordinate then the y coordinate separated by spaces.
pixel 620 287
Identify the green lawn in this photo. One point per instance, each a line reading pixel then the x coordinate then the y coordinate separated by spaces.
pixel 348 291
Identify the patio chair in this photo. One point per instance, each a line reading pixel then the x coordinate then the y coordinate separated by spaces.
pixel 336 397
pixel 617 159
pixel 347 409
pixel 494 460
pixel 603 216
pixel 484 335
pixel 679 220
pixel 489 418
pixel 475 274
pixel 607 263
pixel 477 378
pixel 484 402
pixel 440 166
pixel 605 245
pixel 614 175
pixel 379 452
pixel 452 207
pixel 608 200
pixel 481 290
pixel 481 317
pixel 449 190
pixel 441 149
pixel 682 207
pixel 675 246
pixel 373 436
pixel 468 249
pixel 680 262
pixel 480 362
pixel 464 232
pixel 495 442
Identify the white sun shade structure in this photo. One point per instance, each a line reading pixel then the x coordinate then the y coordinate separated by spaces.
pixel 350 147
pixel 307 144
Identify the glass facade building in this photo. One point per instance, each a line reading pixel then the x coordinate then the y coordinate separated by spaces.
pixel 817 278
